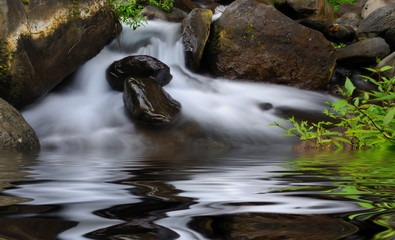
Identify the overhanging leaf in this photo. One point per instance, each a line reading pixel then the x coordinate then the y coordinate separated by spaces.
pixel 388 118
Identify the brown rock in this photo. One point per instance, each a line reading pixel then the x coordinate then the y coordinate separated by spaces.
pixel 252 40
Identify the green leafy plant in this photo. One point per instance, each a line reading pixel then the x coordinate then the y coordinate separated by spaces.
pixel 336 3
pixel 340 45
pixel 362 120
pixel 129 11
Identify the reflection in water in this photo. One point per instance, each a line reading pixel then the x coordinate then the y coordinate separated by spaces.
pixel 250 194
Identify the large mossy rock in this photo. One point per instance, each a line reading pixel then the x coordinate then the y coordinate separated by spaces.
pixel 252 40
pixel 15 132
pixel 380 23
pixel 196 29
pixel 42 41
pixel 137 66
pixel 148 104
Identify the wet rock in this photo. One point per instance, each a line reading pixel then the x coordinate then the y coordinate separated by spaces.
pixel 196 29
pixel 254 41
pixel 339 77
pixel 44 41
pixel 372 5
pixel 302 114
pixel 334 32
pixel 380 23
pixel 152 12
pixel 137 66
pixel 149 104
pixel 363 53
pixel 15 132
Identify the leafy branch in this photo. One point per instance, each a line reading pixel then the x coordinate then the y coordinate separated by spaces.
pixel 364 119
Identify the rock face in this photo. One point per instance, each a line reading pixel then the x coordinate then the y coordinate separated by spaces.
pixel 137 66
pixel 196 29
pixel 363 53
pixel 15 132
pixel 379 23
pixel 42 41
pixel 252 40
pixel 148 104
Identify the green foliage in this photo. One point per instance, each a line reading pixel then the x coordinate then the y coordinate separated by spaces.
pixel 129 11
pixel 340 45
pixel 364 120
pixel 26 2
pixel 336 3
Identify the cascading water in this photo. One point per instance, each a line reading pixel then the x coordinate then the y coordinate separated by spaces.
pixel 255 193
pixel 89 114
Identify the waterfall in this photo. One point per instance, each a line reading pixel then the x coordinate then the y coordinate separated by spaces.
pixel 88 114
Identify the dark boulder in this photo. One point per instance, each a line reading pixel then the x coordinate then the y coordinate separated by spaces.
pixel 137 66
pixel 379 23
pixel 254 41
pixel 363 53
pixel 15 132
pixel 149 104
pixel 196 29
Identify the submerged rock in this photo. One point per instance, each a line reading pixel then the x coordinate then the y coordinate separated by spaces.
pixel 137 66
pixel 149 104
pixel 196 29
pixel 254 41
pixel 15 132
pixel 41 42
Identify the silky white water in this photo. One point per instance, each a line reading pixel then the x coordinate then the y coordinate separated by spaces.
pixel 88 114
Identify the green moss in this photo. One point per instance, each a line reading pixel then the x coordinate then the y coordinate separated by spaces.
pixel 75 9
pixel 26 2
pixel 251 36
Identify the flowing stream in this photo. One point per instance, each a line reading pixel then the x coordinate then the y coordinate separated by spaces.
pixel 223 173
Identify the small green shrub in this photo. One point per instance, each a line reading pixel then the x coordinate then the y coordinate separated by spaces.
pixel 366 120
pixel 129 11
